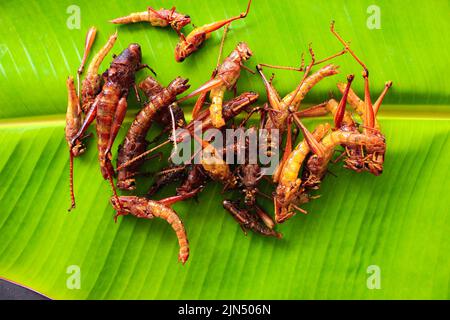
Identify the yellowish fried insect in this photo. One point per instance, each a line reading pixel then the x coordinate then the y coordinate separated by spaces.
pixel 148 209
pixel 192 42
pixel 226 77
pixel 316 166
pixel 214 165
pixel 281 108
pixel 289 193
pixel 374 159
pixel 157 18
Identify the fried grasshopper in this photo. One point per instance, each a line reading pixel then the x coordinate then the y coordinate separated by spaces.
pixel 148 209
pixel 157 18
pixel 226 77
pixel 135 141
pixel 110 105
pixel 374 155
pixel 192 42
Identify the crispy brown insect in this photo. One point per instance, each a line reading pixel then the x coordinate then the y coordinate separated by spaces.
pixel 192 42
pixel 170 174
pixel 195 180
pixel 316 165
pixel 231 109
pixel 148 209
pixel 374 159
pixel 202 97
pixel 196 176
pixel 249 221
pixel 214 165
pixel 151 87
pixel 110 106
pixel 157 18
pixel 282 107
pixel 73 124
pixel 226 77
pixel 354 155
pixel 289 193
pixel 135 142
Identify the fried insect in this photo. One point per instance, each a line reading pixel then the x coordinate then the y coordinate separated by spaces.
pixel 110 106
pixel 231 109
pixel 374 158
pixel 151 88
pixel 92 82
pixel 214 165
pixel 148 209
pixel 195 180
pixel 166 176
pixel 291 102
pixel 322 152
pixel 248 220
pixel 135 141
pixel 157 18
pixel 289 193
pixel 73 124
pixel 249 172
pixel 192 42
pixel 344 121
pixel 194 175
pixel 226 77
pixel 202 97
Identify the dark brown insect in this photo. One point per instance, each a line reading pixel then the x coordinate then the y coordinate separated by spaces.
pixel 157 18
pixel 248 220
pixel 231 109
pixel 192 42
pixel 135 141
pixel 194 174
pixel 151 87
pixel 110 106
pixel 148 209
pixel 195 180
pixel 322 151
pixel 249 173
pixel 172 173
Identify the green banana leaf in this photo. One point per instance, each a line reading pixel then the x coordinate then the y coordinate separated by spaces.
pixel 396 224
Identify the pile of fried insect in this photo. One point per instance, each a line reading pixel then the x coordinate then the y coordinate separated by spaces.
pixel 301 168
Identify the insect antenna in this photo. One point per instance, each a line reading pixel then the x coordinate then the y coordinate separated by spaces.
pixel 346 44
pixel 142 155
